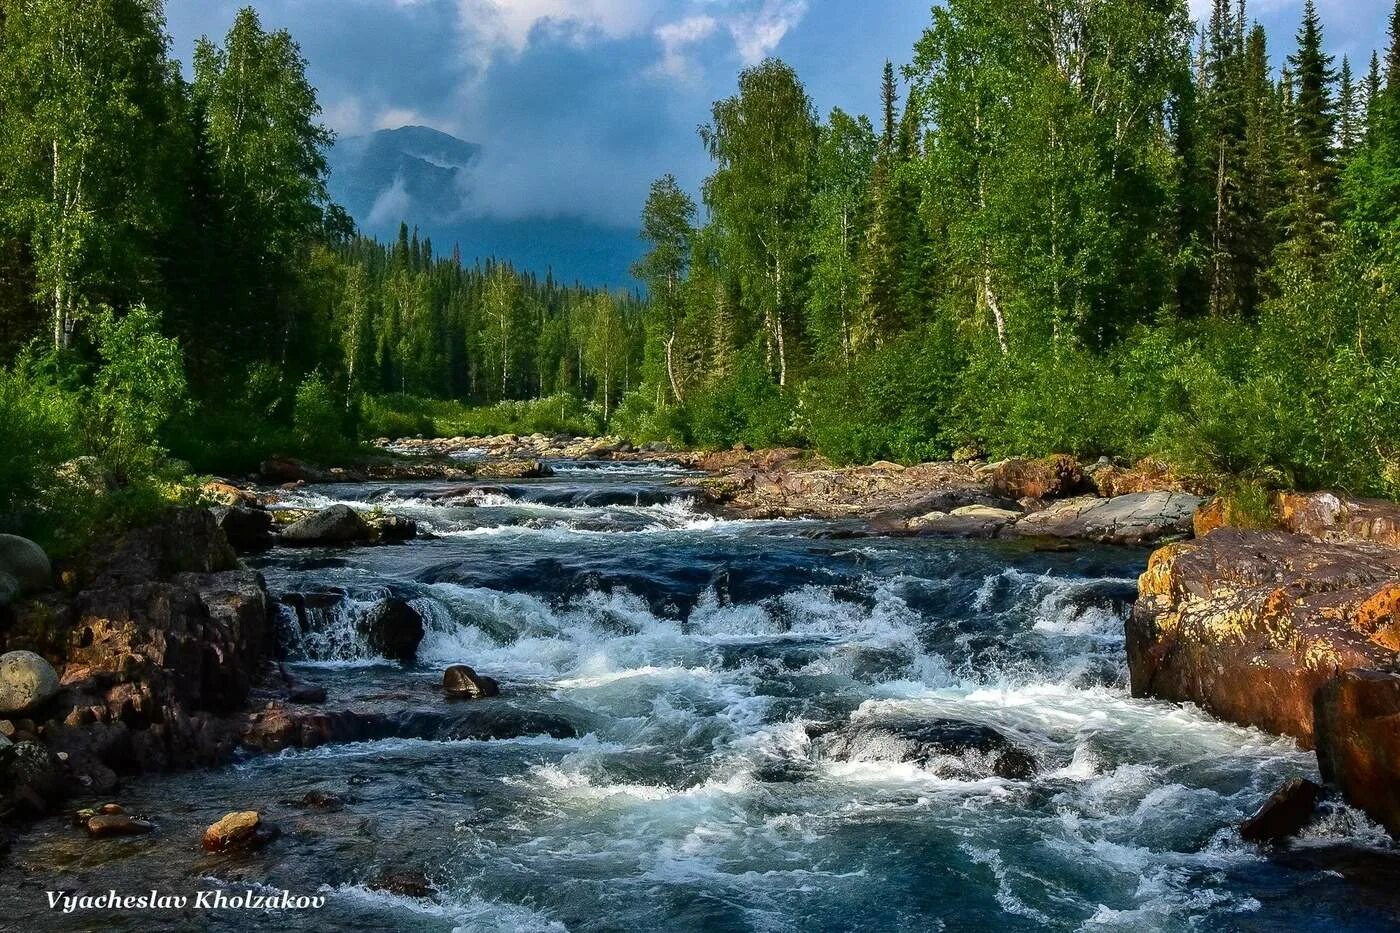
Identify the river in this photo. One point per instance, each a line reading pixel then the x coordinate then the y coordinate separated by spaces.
pixel 657 759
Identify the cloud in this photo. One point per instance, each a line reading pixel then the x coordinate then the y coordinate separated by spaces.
pixel 676 38
pixel 757 33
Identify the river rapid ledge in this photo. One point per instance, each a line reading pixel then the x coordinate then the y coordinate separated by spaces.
pixel 565 684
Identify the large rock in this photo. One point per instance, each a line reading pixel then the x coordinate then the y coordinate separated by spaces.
pixel 461 682
pixel 1249 625
pixel 393 629
pixel 241 830
pixel 181 541
pixel 27 682
pixel 514 469
pixel 969 521
pixel 1284 814
pixel 247 528
pixel 1328 516
pixel 1051 478
pixel 950 747
pixel 26 563
pixel 1140 518
pixel 1358 741
pixel 337 524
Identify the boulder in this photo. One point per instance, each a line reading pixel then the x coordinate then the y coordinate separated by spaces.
pixel 9 589
pixel 950 747
pixel 30 777
pixel 1110 480
pixel 289 470
pixel 1358 741
pixel 220 493
pixel 969 521
pixel 26 563
pixel 393 528
pixel 393 629
pixel 322 800
pixel 1051 478
pixel 403 883
pixel 1251 624
pixel 1329 516
pixel 240 830
pixel 180 541
pixel 461 682
pixel 1141 518
pixel 102 825
pixel 513 469
pixel 336 524
pixel 27 682
pixel 247 529
pixel 1284 814
pixel 307 694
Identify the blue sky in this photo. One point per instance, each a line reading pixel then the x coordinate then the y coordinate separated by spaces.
pixel 579 103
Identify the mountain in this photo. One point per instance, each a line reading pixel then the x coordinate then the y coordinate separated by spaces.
pixel 424 177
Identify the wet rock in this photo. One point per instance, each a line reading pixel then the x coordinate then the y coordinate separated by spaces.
pixel 393 629
pixel 1250 624
pixel 403 883
pixel 970 521
pixel 247 529
pixel 322 800
pixel 336 524
pixel 1284 814
pixel 239 831
pixel 513 469
pixel 30 777
pixel 1051 478
pixel 1141 518
pixel 960 749
pixel 279 727
pixel 103 826
pixel 26 564
pixel 220 493
pixel 1358 741
pixel 461 682
pixel 392 529
pixel 307 694
pixel 27 681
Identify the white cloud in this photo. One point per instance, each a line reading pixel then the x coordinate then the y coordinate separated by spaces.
pixel 394 117
pixel 676 37
pixel 509 23
pixel 757 33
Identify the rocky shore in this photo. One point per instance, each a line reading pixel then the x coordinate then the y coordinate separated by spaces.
pixel 1294 630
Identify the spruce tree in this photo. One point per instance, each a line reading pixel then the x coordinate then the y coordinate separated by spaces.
pixel 1310 213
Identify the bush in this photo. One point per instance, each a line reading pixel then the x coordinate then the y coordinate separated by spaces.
pixel 39 429
pixel 745 407
pixel 318 421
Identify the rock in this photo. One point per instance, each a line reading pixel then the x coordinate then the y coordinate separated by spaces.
pixel 393 528
pixel 461 682
pixel 970 521
pixel 969 454
pixel 393 629
pixel 181 541
pixel 1284 814
pixel 1358 741
pixel 278 728
pixel 947 746
pixel 1110 480
pixel 102 826
pixel 26 563
pixel 308 694
pixel 288 470
pixel 322 800
pixel 30 778
pixel 220 493
pixel 27 682
pixel 1141 518
pixel 513 469
pixel 1209 515
pixel 336 524
pixel 1250 624
pixel 240 830
pixel 403 883
pixel 247 529
pixel 1051 478
pixel 1329 516
pixel 9 589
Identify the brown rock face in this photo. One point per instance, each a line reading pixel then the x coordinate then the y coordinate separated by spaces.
pixel 461 682
pixel 1052 478
pixel 104 825
pixel 1331 517
pixel 1358 741
pixel 1250 625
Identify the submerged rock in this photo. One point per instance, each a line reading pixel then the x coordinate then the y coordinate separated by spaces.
pixel 336 524
pixel 1284 814
pixel 240 830
pixel 322 800
pixel 959 749
pixel 513 469
pixel 403 883
pixel 393 528
pixel 27 681
pixel 461 682
pixel 104 825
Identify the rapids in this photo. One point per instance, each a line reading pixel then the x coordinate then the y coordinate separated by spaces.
pixel 666 667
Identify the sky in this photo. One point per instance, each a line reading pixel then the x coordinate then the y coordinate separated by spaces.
pixel 579 104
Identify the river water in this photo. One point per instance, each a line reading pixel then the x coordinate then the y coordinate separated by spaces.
pixel 651 763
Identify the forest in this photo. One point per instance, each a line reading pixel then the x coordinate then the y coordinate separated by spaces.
pixel 1082 226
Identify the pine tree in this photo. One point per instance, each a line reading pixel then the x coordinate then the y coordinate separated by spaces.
pixel 1351 118
pixel 1310 213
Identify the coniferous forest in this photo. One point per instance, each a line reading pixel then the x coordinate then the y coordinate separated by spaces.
pixel 1089 227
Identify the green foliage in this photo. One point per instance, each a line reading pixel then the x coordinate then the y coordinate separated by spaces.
pixel 38 431
pixel 746 407
pixel 394 416
pixel 318 420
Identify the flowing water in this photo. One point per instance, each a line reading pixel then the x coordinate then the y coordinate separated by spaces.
pixel 652 765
